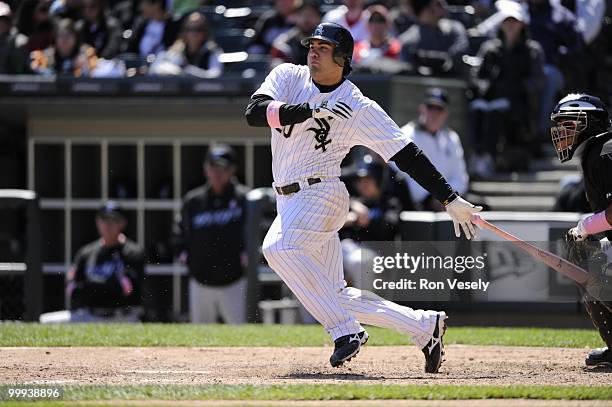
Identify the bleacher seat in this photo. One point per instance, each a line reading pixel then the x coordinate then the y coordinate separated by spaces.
pixel 464 14
pixel 234 39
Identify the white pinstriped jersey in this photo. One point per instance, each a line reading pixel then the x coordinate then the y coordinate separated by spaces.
pixel 316 147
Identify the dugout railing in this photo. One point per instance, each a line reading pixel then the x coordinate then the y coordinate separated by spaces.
pixel 264 284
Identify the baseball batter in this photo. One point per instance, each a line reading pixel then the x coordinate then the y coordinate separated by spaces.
pixel 316 115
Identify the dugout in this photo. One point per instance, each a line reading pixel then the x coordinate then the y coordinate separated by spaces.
pixel 141 141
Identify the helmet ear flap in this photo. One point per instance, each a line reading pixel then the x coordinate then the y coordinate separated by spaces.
pixel 347 68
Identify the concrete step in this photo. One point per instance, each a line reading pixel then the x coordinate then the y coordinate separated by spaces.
pixel 515 203
pixel 552 164
pixel 546 176
pixel 535 188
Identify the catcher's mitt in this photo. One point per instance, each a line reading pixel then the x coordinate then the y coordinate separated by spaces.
pixel 589 255
pixel 581 253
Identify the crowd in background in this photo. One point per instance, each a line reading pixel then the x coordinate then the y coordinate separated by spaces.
pixel 517 57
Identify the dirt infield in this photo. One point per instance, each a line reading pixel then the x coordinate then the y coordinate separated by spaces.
pixel 466 365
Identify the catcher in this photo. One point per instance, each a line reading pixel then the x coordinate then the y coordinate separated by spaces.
pixel 581 126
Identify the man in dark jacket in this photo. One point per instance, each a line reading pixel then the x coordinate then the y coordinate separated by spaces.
pixel 155 31
pixel 272 24
pixel 288 46
pixel 554 27
pixel 210 232
pixel 100 30
pixel 434 45
pixel 506 85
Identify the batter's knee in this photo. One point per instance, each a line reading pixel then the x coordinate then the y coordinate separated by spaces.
pixel 272 250
pixel 276 250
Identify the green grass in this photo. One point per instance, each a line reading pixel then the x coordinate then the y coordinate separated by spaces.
pixel 20 334
pixel 333 392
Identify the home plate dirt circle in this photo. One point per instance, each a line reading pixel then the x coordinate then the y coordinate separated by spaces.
pixel 464 365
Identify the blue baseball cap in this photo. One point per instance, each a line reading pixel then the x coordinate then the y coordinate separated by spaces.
pixel 111 211
pixel 221 155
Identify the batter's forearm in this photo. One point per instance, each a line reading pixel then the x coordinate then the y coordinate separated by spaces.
pixel 415 163
pixel 257 112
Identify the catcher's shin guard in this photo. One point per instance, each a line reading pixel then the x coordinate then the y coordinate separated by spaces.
pixel 601 315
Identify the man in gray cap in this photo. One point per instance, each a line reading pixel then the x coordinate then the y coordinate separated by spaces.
pixel 105 282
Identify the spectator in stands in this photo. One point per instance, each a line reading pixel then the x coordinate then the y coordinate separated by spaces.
pixel 434 45
pixel 572 196
pixel 66 9
pixel 272 24
pixel 507 84
pixel 402 16
pixel 183 7
pixel 13 46
pixel 99 29
pixel 154 31
pixel 441 144
pixel 105 282
pixel 34 21
pixel 125 11
pixel 593 20
pixel 210 235
pixel 373 213
pixel 352 16
pixel 194 53
pixel 67 56
pixel 554 27
pixel 288 47
pixel 379 44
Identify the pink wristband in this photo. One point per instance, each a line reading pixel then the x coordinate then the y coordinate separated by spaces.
pixel 596 223
pixel 273 114
pixel 126 285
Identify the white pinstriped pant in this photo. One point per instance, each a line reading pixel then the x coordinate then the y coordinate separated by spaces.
pixel 303 248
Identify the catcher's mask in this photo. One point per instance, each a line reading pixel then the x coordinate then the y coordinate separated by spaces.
pixel 576 118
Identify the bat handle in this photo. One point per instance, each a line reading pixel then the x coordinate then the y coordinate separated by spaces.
pixel 477 219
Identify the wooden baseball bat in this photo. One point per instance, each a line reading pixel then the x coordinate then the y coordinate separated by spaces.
pixel 578 274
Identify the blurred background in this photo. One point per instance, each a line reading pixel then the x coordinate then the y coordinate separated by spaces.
pixel 123 100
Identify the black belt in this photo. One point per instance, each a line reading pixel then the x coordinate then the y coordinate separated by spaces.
pixel 295 187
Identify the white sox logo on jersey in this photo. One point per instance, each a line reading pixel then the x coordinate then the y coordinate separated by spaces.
pixel 321 134
pixel 340 109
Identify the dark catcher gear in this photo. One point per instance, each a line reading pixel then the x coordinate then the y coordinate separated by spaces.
pixel 576 118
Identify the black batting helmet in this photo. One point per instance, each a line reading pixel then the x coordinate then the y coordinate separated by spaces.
pixel 342 40
pixel 576 118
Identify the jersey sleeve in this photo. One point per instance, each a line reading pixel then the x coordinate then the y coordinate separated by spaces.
pixel 377 131
pixel 276 84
